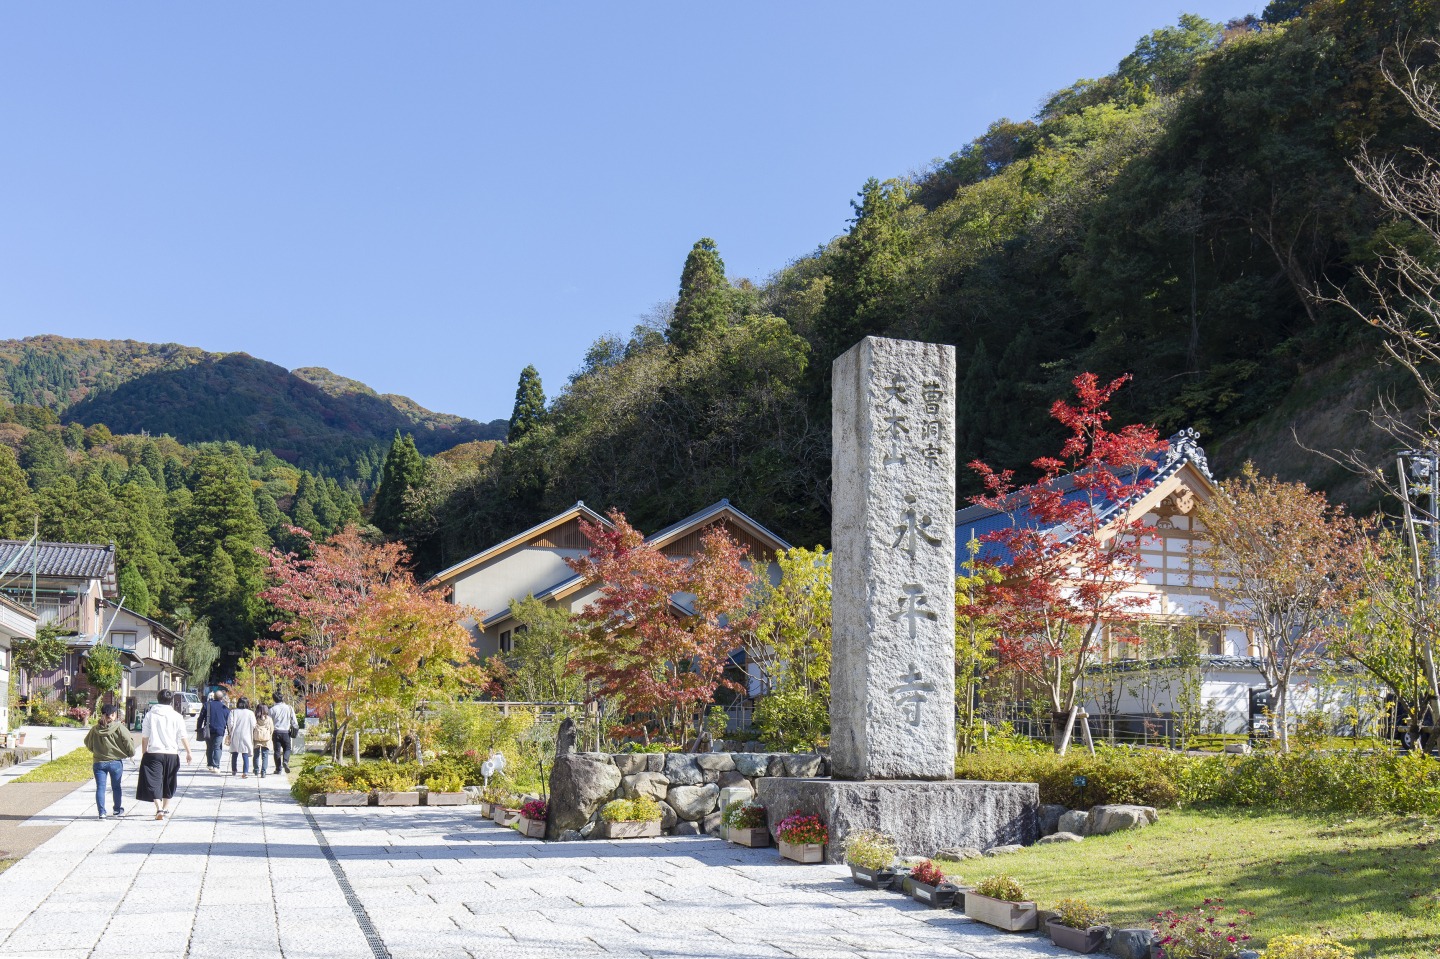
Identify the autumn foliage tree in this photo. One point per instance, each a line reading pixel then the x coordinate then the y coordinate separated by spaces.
pixel 1288 566
pixel 657 663
pixel 1070 560
pixel 267 666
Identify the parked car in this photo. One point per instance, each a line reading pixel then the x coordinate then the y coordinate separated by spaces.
pixel 188 704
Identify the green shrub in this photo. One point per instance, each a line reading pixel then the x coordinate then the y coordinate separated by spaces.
pixel 394 780
pixel 1383 780
pixel 1112 775
pixel 790 720
pixel 1306 947
pixel 1079 914
pixel 444 783
pixel 1001 887
pixel 642 809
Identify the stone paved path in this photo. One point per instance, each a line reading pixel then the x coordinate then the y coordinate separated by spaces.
pixel 239 872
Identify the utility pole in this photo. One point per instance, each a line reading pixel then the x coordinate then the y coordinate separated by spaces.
pixel 1423 468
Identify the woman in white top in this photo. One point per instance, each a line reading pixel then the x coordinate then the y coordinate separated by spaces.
pixel 239 736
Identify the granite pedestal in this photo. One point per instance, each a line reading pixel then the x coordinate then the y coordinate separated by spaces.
pixel 922 817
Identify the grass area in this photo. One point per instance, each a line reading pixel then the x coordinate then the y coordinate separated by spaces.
pixel 1370 882
pixel 7 863
pixel 1215 743
pixel 73 767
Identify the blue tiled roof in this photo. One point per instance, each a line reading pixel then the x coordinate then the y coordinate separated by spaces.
pixel 978 521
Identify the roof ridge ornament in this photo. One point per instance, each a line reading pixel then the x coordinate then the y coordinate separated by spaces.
pixel 1185 445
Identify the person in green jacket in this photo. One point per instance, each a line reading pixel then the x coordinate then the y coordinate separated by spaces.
pixel 112 744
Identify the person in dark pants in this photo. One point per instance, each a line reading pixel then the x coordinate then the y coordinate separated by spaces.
pixel 285 728
pixel 162 736
pixel 214 717
pixel 112 744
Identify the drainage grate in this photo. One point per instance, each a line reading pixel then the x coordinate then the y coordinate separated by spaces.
pixel 377 945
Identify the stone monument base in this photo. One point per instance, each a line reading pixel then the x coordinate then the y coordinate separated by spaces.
pixel 922 817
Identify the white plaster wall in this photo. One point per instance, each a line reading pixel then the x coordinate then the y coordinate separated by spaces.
pixel 494 585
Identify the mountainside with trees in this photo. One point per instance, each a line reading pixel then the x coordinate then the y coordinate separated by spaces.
pixel 310 416
pixel 1183 219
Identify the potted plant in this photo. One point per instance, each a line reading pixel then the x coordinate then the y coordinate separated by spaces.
pixel 1000 901
pixel 926 885
pixel 335 790
pixel 490 797
pixel 506 811
pixel 802 838
pixel 745 824
pixel 1078 925
pixel 445 790
pixel 396 788
pixel 630 818
pixel 871 857
pixel 1203 932
pixel 532 818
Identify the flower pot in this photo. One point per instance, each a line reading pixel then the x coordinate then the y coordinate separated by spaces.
pixel 444 799
pixel 1001 913
pixel 407 798
pixel 630 830
pixel 755 838
pixel 505 816
pixel 806 852
pixel 941 896
pixel 1080 940
pixel 534 828
pixel 872 878
pixel 347 799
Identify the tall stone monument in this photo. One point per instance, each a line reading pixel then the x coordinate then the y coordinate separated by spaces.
pixel 892 684
pixel 892 674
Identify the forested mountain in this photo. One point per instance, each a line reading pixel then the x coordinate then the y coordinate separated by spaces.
pixel 310 417
pixel 1180 219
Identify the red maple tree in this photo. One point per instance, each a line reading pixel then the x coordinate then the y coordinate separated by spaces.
pixel 1071 554
pixel 659 663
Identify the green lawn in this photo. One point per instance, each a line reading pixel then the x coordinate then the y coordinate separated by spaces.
pixel 1373 883
pixel 73 767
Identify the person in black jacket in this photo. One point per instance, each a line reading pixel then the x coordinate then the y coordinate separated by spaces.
pixel 210 726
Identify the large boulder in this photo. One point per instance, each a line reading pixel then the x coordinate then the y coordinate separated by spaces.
pixel 801 765
pixel 959 853
pixel 711 824
pixel 1076 821
pixel 1131 943
pixel 1050 818
pixel 732 778
pixel 716 762
pixel 668 819
pixel 655 762
pixel 630 763
pixel 1058 837
pixel 650 785
pixel 1006 850
pixel 751 765
pixel 683 770
pixel 685 829
pixel 579 784
pixel 692 803
pixel 1117 818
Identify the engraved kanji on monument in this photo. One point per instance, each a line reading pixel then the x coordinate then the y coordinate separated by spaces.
pixel 892 686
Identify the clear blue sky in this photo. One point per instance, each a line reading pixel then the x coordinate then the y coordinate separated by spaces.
pixel 427 197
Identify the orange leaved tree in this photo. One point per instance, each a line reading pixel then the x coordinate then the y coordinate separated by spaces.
pixel 658 638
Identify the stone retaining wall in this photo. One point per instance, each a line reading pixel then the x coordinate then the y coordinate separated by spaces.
pixel 692 788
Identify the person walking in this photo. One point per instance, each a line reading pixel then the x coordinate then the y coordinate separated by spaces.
pixel 214 716
pixel 240 737
pixel 111 744
pixel 264 734
pixel 285 729
pixel 162 736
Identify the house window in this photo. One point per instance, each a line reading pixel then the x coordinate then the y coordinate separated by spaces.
pixel 123 640
pixel 507 641
pixel 1212 640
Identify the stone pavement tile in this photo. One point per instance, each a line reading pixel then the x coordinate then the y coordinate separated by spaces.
pixel 153 923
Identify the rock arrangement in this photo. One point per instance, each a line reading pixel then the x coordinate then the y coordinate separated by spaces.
pixel 691 788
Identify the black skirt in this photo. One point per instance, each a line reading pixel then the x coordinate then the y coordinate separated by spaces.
pixel 159 776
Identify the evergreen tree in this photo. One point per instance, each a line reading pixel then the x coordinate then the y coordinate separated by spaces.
pixel 222 535
pixel 134 591
pixel 706 298
pixel 404 467
pixel 17 505
pixel 529 411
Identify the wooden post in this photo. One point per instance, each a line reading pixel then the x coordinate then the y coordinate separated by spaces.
pixel 1084 718
pixel 1069 731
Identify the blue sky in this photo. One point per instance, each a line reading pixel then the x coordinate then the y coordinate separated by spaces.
pixel 427 197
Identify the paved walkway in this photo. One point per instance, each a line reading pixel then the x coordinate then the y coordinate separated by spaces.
pixel 242 871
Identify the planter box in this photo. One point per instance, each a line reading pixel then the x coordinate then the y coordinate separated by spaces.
pixel 397 799
pixel 754 838
pixel 534 828
pixel 872 878
pixel 1001 913
pixel 347 799
pixel 803 852
pixel 630 830
pixel 444 799
pixel 936 897
pixel 484 810
pixel 504 816
pixel 1080 940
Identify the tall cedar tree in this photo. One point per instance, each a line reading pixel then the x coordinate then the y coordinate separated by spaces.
pixel 1291 566
pixel 404 467
pixel 657 664
pixel 529 411
pixel 17 506
pixel 227 579
pixel 705 301
pixel 1058 593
